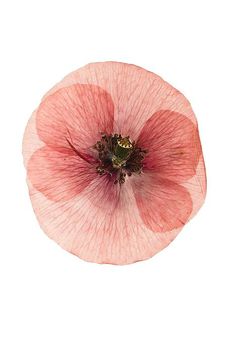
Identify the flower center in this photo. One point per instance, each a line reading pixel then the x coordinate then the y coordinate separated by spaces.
pixel 119 157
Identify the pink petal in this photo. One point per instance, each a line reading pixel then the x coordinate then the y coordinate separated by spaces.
pixel 31 140
pixel 163 205
pixel 197 186
pixel 102 224
pixel 173 145
pixel 58 175
pixel 136 93
pixel 78 113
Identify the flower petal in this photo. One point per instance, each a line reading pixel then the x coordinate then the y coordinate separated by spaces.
pixel 102 224
pixel 173 145
pixel 58 175
pixel 79 113
pixel 31 140
pixel 197 186
pixel 136 93
pixel 163 205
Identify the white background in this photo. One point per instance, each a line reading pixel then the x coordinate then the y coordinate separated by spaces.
pixel 183 299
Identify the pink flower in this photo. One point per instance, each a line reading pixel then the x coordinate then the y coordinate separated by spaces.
pixel 114 163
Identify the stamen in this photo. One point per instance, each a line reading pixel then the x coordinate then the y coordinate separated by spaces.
pixel 118 156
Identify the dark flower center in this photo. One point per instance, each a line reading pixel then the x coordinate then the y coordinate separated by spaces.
pixel 119 157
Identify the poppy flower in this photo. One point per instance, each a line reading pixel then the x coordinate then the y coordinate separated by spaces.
pixel 114 163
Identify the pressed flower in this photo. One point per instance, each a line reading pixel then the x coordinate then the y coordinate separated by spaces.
pixel 114 163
